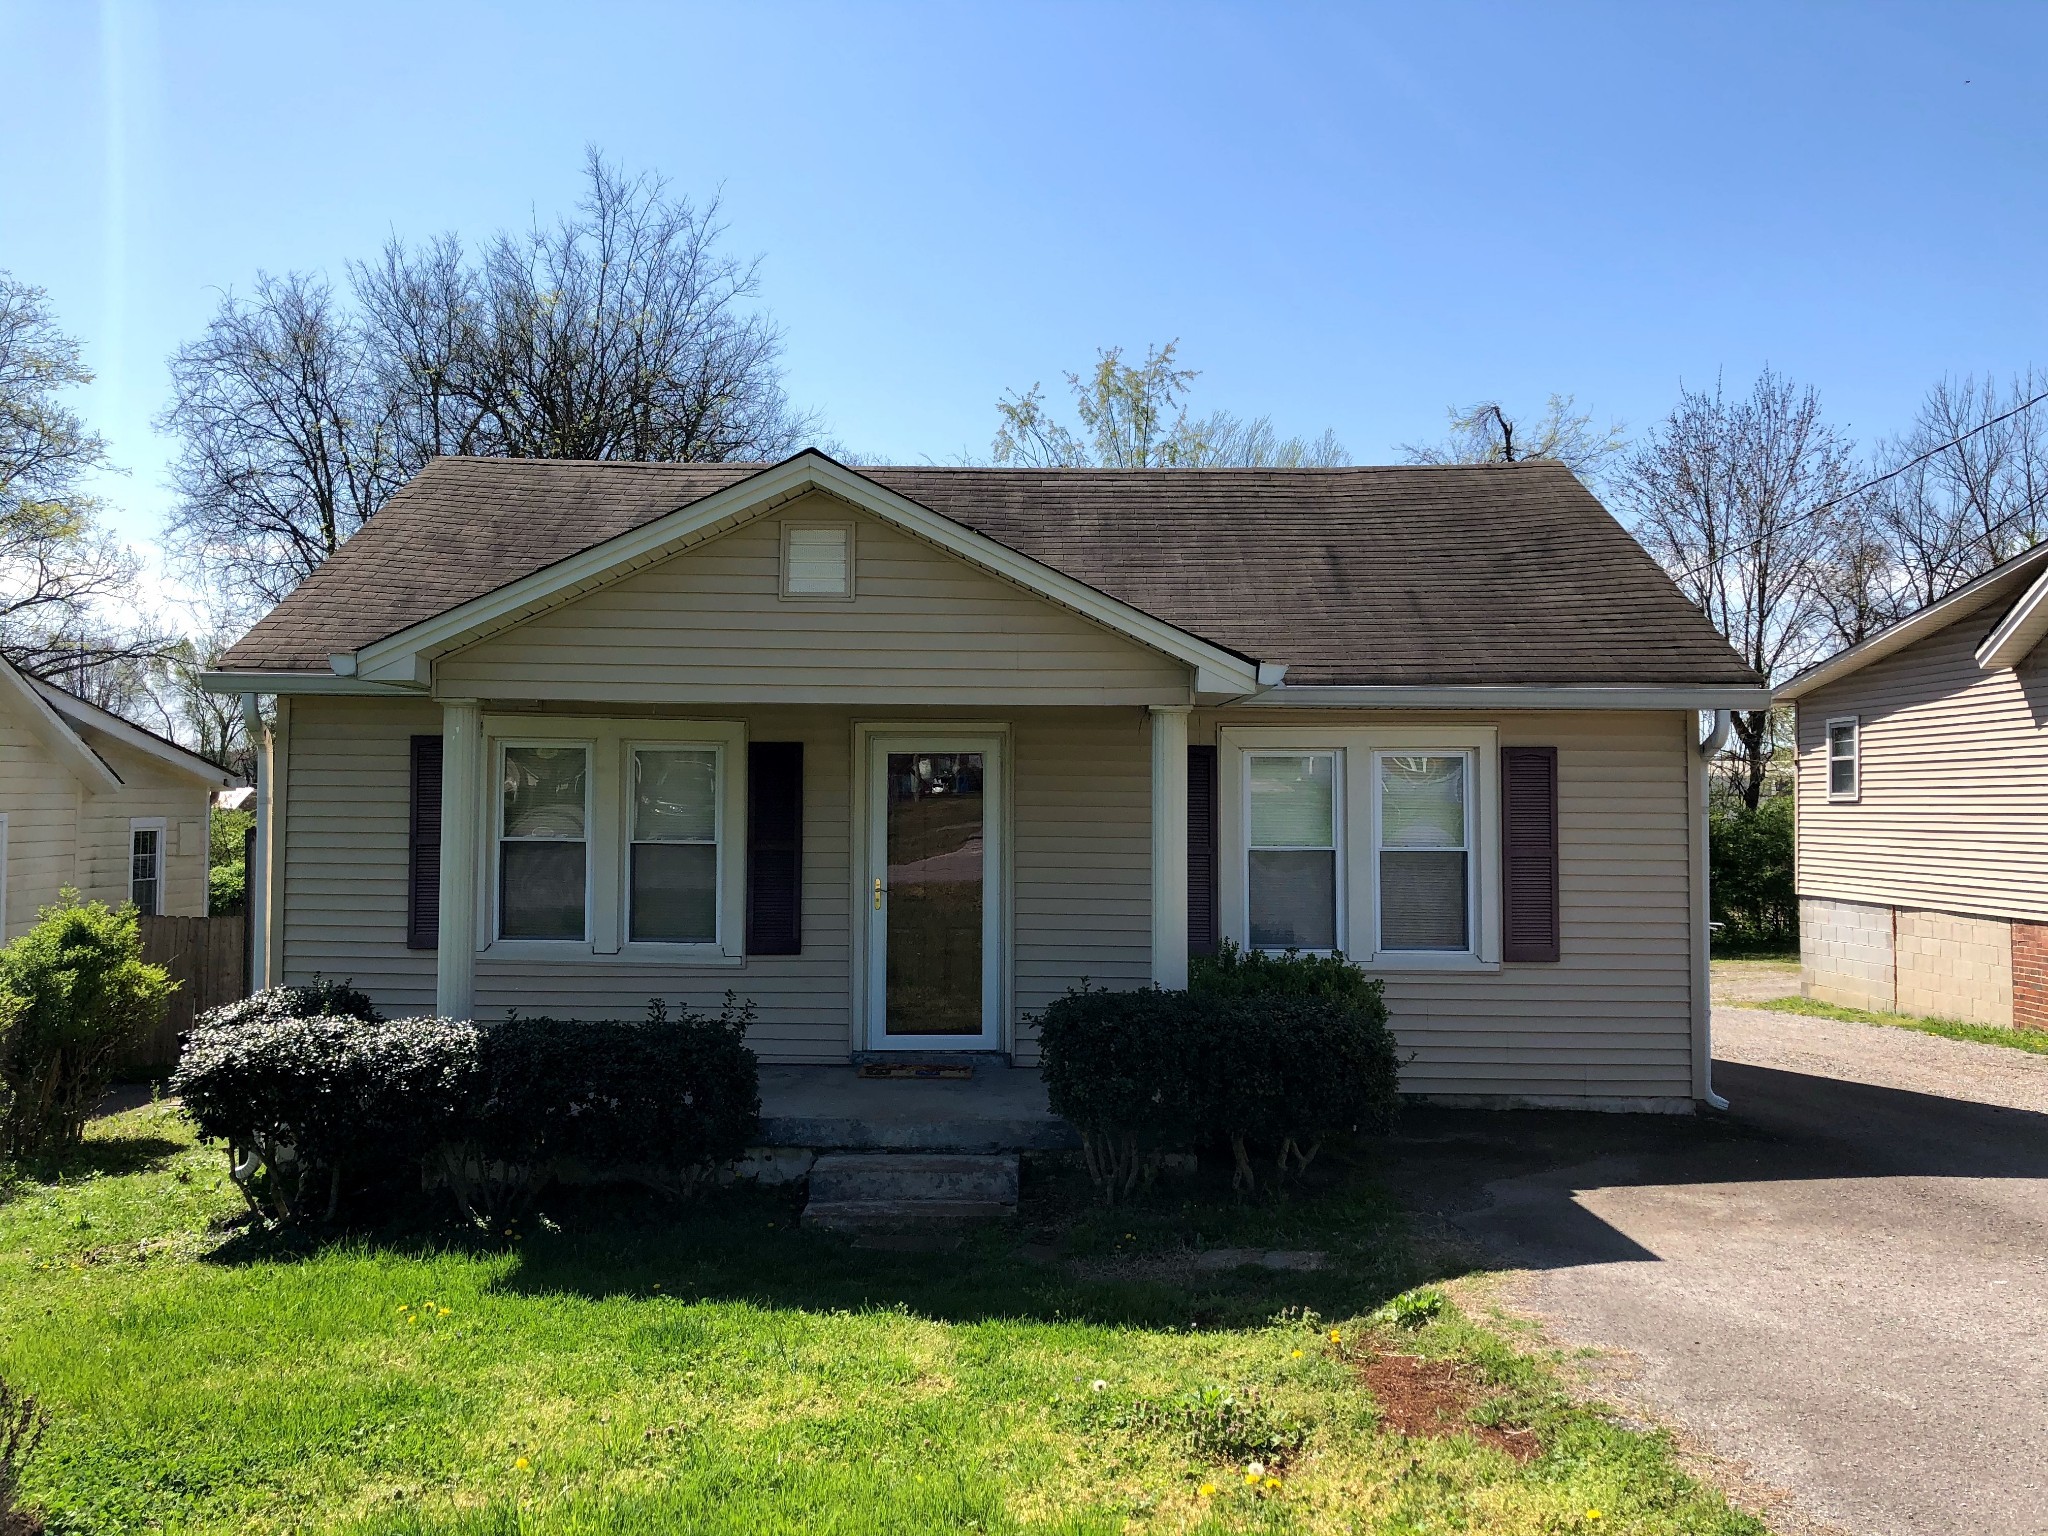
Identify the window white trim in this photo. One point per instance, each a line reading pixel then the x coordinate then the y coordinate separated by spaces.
pixel 794 526
pixel 161 827
pixel 608 830
pixel 1338 797
pixel 1854 759
pixel 1358 873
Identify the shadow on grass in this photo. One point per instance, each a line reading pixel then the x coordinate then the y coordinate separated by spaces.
pixel 107 1156
pixel 1062 1259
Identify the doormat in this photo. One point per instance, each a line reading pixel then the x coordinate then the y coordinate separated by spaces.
pixel 922 1071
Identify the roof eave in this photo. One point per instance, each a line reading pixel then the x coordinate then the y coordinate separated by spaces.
pixel 1515 696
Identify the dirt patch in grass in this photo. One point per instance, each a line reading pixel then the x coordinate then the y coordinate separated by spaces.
pixel 21 1522
pixel 1432 1400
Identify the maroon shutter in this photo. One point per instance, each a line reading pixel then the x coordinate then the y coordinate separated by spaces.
pixel 775 847
pixel 1203 929
pixel 1528 814
pixel 423 866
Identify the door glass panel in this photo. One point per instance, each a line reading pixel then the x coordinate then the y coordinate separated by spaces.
pixel 934 899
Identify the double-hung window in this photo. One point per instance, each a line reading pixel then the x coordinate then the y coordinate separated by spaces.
pixel 146 866
pixel 1844 768
pixel 543 841
pixel 1379 841
pixel 1291 862
pixel 673 875
pixel 1423 851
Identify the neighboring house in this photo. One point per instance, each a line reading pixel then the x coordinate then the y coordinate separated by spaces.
pixel 903 754
pixel 1923 808
pixel 97 804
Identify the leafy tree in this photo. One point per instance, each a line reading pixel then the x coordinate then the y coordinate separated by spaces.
pixel 1136 417
pixel 61 574
pixel 1486 434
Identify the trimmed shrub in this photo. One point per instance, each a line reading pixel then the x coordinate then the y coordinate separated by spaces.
pixel 1271 1054
pixel 1756 900
pixel 1118 1067
pixel 664 1100
pixel 84 995
pixel 305 1097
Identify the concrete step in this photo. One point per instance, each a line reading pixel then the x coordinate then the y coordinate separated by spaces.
pixel 902 1215
pixel 914 1176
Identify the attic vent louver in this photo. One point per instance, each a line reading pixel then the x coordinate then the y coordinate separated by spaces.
pixel 817 561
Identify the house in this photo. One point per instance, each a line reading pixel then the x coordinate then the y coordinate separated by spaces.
pixel 902 754
pixel 95 803
pixel 1923 779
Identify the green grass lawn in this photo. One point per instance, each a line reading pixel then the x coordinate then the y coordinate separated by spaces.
pixel 2034 1040
pixel 621 1368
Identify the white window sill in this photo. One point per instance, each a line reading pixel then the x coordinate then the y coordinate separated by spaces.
pixel 1422 962
pixel 580 952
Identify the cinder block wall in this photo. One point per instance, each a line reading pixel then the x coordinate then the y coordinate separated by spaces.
pixel 1845 949
pixel 1953 967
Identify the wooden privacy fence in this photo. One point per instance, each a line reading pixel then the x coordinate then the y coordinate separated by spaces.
pixel 208 959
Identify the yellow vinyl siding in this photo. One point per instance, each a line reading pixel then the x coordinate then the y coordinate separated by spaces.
pixel 1612 1020
pixel 1613 1017
pixel 711 625
pixel 59 834
pixel 1952 814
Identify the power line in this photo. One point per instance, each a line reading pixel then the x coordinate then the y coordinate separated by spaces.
pixel 1872 484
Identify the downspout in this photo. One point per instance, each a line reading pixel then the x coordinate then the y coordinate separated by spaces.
pixel 1703 933
pixel 255 886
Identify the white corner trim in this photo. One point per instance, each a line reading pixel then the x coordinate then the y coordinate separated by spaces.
pixel 1513 696
pixel 2018 632
pixel 399 657
pixel 57 733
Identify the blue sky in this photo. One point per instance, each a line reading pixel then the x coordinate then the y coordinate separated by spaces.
pixel 1351 216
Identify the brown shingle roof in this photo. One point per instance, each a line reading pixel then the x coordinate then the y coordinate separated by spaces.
pixel 1489 574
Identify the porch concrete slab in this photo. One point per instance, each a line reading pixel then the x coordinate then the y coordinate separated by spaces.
pixel 999 1109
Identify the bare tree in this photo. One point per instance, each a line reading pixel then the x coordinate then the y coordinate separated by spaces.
pixel 623 332
pixel 287 442
pixel 66 584
pixel 1486 434
pixel 1729 495
pixel 1136 417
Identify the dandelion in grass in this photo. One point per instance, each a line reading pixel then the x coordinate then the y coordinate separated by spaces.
pixel 1206 1491
pixel 1099 1385
pixel 1269 1482
pixel 523 1465
pixel 1295 1356
pixel 1593 1514
pixel 1336 1337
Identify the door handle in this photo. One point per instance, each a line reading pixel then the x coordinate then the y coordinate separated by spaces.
pixel 878 893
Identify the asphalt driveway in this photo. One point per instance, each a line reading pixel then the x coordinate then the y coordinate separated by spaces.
pixel 1839 1289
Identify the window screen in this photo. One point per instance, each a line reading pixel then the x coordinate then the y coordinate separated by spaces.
pixel 1291 854
pixel 543 848
pixel 674 855
pixel 1424 852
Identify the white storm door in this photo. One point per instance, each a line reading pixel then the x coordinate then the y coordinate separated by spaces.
pixel 934 893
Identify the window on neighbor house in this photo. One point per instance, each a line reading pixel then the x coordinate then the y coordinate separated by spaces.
pixel 146 866
pixel 543 847
pixel 817 562
pixel 674 854
pixel 1291 849
pixel 1423 852
pixel 1844 781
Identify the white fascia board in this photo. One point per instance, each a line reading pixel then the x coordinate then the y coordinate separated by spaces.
pixel 285 683
pixel 132 736
pixel 405 655
pixel 57 733
pixel 2018 632
pixel 1514 696
pixel 1935 616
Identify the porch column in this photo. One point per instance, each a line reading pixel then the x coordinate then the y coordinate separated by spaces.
pixel 1170 845
pixel 462 777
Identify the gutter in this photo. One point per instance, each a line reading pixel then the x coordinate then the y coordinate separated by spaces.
pixel 1703 933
